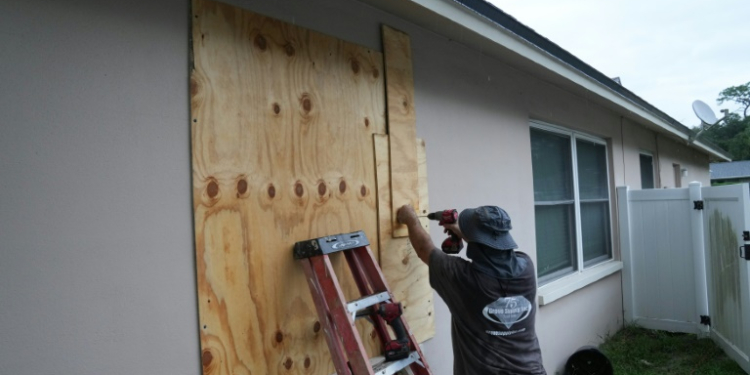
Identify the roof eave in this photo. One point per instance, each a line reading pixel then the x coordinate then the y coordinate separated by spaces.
pixel 491 23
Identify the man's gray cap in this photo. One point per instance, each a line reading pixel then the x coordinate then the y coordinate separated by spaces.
pixel 487 225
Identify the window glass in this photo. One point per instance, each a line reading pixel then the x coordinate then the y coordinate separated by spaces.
pixel 594 196
pixel 569 202
pixel 555 240
pixel 595 236
pixel 647 171
pixel 592 170
pixel 553 174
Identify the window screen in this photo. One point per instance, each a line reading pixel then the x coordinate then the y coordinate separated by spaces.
pixel 554 202
pixel 569 202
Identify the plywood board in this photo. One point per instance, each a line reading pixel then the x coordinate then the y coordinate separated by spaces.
pixel 406 274
pixel 401 123
pixel 424 199
pixel 282 125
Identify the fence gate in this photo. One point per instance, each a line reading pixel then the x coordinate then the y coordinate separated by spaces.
pixel 726 214
pixel 683 264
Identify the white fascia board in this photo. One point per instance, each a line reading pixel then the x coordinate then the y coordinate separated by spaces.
pixel 477 23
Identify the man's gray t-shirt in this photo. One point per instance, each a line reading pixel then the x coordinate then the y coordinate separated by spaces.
pixel 492 318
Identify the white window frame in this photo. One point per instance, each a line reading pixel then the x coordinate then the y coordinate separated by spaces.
pixel 555 286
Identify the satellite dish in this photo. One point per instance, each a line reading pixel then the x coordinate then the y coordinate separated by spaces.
pixel 704 112
pixel 707 117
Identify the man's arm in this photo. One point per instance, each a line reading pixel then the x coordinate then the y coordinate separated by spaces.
pixel 419 237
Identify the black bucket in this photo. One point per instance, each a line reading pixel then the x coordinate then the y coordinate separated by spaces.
pixel 588 360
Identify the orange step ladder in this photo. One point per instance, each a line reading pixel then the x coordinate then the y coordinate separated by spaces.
pixel 338 316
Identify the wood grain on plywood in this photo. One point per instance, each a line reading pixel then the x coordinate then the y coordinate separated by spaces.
pixel 424 199
pixel 401 123
pixel 406 274
pixel 282 125
pixel 418 289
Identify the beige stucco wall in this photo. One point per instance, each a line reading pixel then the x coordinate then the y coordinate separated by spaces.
pixel 673 152
pixel 97 228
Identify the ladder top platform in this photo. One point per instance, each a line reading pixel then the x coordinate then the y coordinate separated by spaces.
pixel 330 244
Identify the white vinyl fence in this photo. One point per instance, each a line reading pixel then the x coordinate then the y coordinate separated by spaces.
pixel 686 262
pixel 664 284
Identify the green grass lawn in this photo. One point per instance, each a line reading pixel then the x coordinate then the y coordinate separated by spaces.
pixel 641 351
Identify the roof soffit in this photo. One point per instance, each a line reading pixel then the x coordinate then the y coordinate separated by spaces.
pixel 457 22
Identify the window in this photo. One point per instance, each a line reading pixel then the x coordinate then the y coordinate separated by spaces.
pixel 647 171
pixel 677 175
pixel 571 201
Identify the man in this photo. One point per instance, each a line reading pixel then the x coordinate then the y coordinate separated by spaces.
pixel 491 298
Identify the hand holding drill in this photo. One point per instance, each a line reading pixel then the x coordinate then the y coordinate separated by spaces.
pixel 420 239
pixel 449 220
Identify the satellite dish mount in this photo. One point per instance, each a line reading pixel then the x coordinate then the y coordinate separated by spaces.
pixel 707 117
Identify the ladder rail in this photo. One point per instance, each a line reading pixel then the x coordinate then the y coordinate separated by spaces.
pixel 369 267
pixel 355 350
pixel 330 331
pixel 367 261
pixel 338 317
pixel 362 279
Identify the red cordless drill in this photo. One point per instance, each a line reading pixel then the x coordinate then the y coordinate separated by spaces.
pixel 452 244
pixel 398 348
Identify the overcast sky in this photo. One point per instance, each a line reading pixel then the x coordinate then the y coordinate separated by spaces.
pixel 668 52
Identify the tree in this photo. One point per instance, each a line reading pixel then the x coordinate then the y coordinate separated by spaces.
pixel 739 146
pixel 738 94
pixel 733 133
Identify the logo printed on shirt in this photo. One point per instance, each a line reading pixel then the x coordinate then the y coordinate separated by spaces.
pixel 508 310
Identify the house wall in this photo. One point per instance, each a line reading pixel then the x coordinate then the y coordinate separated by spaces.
pixel 98 269
pixel 643 140
pixel 672 152
pixel 97 273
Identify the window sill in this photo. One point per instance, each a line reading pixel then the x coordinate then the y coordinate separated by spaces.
pixel 560 288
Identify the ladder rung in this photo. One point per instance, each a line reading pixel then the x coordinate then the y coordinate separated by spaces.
pixel 379 367
pixel 390 368
pixel 365 302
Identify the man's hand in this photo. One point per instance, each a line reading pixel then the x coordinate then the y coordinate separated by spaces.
pixel 418 237
pixel 455 229
pixel 407 216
